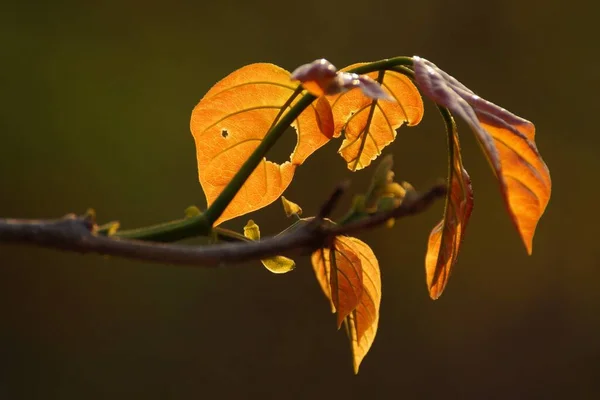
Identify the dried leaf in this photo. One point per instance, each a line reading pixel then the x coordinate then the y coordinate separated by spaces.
pixel 370 125
pixel 277 264
pixel 291 208
pixel 445 239
pixel 507 140
pixel 339 272
pixel 230 122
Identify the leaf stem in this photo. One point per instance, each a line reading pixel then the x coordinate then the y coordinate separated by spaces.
pixel 171 231
pixel 387 63
pixel 179 229
pixel 201 225
pixel 222 201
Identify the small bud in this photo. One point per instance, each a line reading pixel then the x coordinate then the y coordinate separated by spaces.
pixel 291 208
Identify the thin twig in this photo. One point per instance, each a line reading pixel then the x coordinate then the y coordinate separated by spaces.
pixel 75 234
pixel 329 205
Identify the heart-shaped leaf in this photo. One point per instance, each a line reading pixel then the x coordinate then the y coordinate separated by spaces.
pixel 230 122
pixel 369 124
pixel 508 142
pixel 446 238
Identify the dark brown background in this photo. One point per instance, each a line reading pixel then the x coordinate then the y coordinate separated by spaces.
pixel 95 105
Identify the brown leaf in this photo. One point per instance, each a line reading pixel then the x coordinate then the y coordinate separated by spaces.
pixel 230 122
pixel 508 142
pixel 445 239
pixel 369 125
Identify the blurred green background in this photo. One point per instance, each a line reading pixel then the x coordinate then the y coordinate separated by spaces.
pixel 95 104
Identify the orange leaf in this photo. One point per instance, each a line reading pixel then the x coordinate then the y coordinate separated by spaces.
pixel 369 125
pixel 232 119
pixel 507 140
pixel 355 295
pixel 363 321
pixel 445 239
pixel 339 272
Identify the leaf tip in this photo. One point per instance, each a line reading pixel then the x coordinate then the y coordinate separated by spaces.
pixel 435 293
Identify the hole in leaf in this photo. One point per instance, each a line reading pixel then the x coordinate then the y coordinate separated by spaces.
pixel 281 151
pixel 224 133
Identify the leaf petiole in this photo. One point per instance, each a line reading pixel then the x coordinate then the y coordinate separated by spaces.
pixel 201 225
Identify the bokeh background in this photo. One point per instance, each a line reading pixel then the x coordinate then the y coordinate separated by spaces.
pixel 95 103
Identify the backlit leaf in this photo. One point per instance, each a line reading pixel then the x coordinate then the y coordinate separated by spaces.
pixel 507 140
pixel 339 272
pixel 370 125
pixel 445 239
pixel 277 264
pixel 356 298
pixel 363 321
pixel 291 208
pixel 230 122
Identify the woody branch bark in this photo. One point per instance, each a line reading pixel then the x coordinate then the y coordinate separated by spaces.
pixel 75 234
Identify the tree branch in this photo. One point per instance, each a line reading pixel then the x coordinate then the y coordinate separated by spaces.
pixel 75 234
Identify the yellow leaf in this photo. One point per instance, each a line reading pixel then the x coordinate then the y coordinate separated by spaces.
pixel 277 264
pixel 290 207
pixel 230 122
pixel 192 211
pixel 369 125
pixel 108 229
pixel 445 239
pixel 252 231
pixel 349 276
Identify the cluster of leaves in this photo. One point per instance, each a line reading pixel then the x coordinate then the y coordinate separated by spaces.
pixel 232 119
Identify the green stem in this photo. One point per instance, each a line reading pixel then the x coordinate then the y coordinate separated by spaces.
pixel 227 235
pixel 404 71
pixel 220 204
pixel 388 63
pixel 169 231
pixel 352 216
pixel 177 230
pixel 201 225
